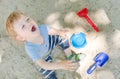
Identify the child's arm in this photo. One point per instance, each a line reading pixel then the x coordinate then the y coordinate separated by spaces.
pixel 61 32
pixel 65 65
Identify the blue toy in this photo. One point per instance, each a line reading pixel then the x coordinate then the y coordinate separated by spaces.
pixel 100 60
pixel 78 40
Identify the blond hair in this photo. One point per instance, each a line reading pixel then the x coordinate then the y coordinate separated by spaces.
pixel 14 16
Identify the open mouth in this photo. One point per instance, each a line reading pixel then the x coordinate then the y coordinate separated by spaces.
pixel 33 28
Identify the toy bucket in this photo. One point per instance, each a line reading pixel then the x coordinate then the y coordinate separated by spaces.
pixel 78 40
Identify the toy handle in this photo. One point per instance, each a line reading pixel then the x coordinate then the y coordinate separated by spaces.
pixel 92 24
pixel 92 68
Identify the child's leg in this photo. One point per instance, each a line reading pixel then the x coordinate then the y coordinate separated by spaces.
pixel 48 74
pixel 52 76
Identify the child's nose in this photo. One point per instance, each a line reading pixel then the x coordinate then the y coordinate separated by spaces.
pixel 28 24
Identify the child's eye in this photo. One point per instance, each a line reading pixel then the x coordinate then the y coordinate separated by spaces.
pixel 28 19
pixel 23 26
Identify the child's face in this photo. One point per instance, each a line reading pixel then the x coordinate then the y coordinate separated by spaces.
pixel 26 28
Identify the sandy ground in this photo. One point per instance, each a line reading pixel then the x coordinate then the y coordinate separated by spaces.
pixel 15 63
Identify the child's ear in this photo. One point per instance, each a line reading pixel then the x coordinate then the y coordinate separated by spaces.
pixel 19 38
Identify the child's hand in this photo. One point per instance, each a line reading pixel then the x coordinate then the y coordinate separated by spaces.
pixel 69 65
pixel 64 33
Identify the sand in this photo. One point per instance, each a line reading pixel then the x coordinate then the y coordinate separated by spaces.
pixel 16 64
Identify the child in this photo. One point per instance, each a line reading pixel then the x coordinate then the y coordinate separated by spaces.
pixel 39 42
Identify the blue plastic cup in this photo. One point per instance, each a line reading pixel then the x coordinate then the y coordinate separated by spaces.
pixel 78 40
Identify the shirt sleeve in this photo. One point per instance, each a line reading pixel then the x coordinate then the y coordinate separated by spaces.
pixel 45 27
pixel 48 28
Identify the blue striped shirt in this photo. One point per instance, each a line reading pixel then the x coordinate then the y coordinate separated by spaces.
pixel 37 51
